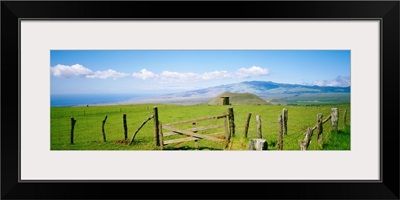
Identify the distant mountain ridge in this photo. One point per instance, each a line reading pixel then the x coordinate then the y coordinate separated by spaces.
pixel 268 87
pixel 265 89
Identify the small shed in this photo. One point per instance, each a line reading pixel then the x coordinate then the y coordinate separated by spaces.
pixel 225 100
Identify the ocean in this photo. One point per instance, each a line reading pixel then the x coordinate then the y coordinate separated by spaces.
pixel 58 100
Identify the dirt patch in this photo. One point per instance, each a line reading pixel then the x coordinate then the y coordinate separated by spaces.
pixel 122 142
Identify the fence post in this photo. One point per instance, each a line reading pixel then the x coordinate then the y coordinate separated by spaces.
pixel 280 133
pixel 304 144
pixel 134 134
pixel 102 128
pixel 334 119
pixel 156 127
pixel 246 126
pixel 259 132
pixel 319 127
pixel 196 142
pixel 161 136
pixel 231 121
pixel 344 118
pixel 227 135
pixel 125 127
pixel 285 119
pixel 73 121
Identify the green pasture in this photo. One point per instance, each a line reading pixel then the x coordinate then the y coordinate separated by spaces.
pixel 88 127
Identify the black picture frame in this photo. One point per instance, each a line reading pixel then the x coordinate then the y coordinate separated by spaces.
pixel 386 11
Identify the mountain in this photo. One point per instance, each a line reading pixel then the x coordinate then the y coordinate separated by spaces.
pixel 238 99
pixel 276 93
pixel 268 87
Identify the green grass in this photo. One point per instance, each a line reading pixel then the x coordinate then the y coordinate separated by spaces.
pixel 88 133
pixel 310 99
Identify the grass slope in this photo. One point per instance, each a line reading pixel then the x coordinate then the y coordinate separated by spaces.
pixel 238 99
pixel 309 98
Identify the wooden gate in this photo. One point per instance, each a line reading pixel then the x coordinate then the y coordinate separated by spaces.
pixel 196 132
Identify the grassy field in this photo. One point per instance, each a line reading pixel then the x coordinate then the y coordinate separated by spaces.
pixel 88 128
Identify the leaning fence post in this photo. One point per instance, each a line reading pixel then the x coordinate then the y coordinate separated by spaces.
pixel 259 132
pixel 102 128
pixel 319 127
pixel 334 119
pixel 141 125
pixel 285 119
pixel 125 127
pixel 280 132
pixel 344 118
pixel 231 121
pixel 156 127
pixel 246 126
pixel 73 121
pixel 304 143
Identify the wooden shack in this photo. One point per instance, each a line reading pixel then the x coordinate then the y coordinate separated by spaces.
pixel 225 100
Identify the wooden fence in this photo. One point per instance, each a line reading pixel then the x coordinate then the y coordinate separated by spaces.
pixel 201 131
pixel 282 129
pixel 333 117
pixel 197 132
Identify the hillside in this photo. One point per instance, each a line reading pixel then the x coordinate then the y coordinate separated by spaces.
pixel 275 93
pixel 238 99
pixel 268 87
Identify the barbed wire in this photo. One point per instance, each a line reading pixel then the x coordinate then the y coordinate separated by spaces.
pixel 292 137
pixel 89 114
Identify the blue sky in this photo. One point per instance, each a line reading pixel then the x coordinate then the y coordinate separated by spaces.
pixel 168 71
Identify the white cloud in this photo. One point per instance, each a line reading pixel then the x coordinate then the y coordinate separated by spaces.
pixel 341 81
pixel 107 74
pixel 169 76
pixel 78 70
pixel 70 71
pixel 81 71
pixel 253 71
pixel 216 75
pixel 145 74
